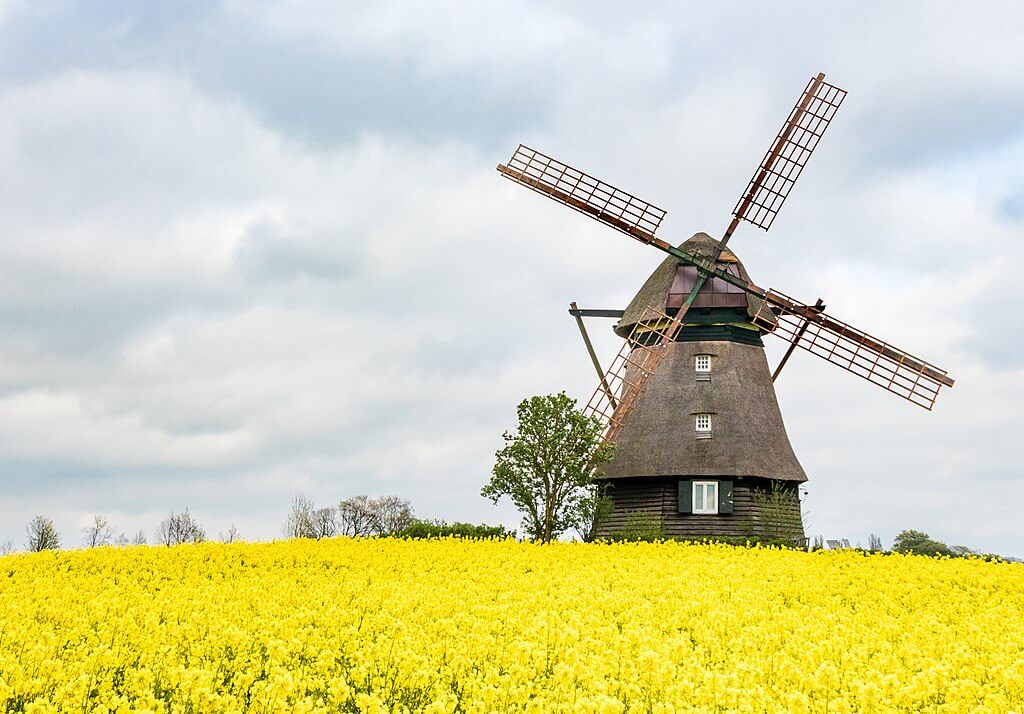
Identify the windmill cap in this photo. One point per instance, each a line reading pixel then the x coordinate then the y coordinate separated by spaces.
pixel 655 291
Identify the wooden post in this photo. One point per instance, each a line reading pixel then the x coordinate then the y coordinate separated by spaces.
pixel 574 311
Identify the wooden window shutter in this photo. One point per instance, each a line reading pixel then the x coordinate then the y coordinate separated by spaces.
pixel 686 496
pixel 725 496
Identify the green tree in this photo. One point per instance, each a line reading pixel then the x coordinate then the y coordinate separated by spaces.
pixel 547 466
pixel 42 535
pixel 919 543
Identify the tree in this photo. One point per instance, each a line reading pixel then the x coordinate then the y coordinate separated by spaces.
pixel 919 543
pixel 180 528
pixel 99 532
pixel 874 543
pixel 7 547
pixel 299 522
pixel 365 516
pixel 42 535
pixel 356 517
pixel 324 523
pixel 307 521
pixel 230 535
pixel 547 465
pixel 391 515
pixel 139 538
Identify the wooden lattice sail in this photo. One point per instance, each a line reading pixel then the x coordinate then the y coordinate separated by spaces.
pixel 641 353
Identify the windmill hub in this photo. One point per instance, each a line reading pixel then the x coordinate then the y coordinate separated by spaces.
pixel 721 307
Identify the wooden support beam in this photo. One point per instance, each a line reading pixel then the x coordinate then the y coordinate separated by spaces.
pixel 819 306
pixel 576 313
pixel 584 312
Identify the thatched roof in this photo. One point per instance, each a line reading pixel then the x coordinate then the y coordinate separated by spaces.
pixel 748 436
pixel 655 291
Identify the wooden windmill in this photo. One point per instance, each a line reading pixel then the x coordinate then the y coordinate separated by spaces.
pixel 689 400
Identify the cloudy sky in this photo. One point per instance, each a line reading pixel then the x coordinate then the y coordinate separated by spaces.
pixel 260 248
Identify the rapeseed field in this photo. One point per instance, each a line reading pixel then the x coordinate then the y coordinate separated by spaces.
pixel 496 626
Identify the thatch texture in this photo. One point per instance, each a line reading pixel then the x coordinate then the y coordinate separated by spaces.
pixel 748 435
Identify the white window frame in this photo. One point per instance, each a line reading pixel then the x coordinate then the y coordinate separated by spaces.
pixel 702 423
pixel 705 487
pixel 702 364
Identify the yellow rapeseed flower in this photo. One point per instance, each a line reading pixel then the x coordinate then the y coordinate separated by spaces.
pixel 466 626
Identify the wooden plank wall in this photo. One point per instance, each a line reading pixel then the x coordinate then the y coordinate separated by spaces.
pixel 657 499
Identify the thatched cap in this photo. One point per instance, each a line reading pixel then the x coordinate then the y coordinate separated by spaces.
pixel 658 290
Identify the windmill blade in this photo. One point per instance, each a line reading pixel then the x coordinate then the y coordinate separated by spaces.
pixel 855 351
pixel 833 340
pixel 789 153
pixel 632 368
pixel 582 192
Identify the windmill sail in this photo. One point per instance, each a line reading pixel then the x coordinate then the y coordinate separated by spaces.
pixel 633 366
pixel 582 192
pixel 805 326
pixel 774 178
pixel 855 351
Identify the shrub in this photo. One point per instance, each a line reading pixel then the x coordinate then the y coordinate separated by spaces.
pixel 641 526
pixel 441 529
pixel 919 543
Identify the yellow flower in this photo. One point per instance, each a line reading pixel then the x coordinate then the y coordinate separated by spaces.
pixel 455 625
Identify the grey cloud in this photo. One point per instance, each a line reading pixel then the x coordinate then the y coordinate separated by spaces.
pixel 320 97
pixel 270 251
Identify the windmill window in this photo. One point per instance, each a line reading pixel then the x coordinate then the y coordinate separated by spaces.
pixel 703 424
pixel 702 365
pixel 705 497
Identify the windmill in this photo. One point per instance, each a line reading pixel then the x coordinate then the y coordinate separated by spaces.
pixel 689 400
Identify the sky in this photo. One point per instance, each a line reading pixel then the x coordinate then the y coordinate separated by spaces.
pixel 254 249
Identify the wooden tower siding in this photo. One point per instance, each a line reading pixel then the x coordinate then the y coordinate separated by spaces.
pixel 659 499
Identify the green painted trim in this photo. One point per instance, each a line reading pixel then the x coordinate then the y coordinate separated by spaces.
pixel 739 325
pixel 720 333
pixel 685 504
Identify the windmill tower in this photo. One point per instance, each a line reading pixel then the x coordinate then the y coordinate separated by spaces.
pixel 689 400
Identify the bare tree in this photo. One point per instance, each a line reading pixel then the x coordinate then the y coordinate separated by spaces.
pixel 325 522
pixel 139 538
pixel 356 517
pixel 180 528
pixel 391 514
pixel 42 535
pixel 230 535
pixel 7 547
pixel 299 521
pixel 100 532
pixel 874 543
